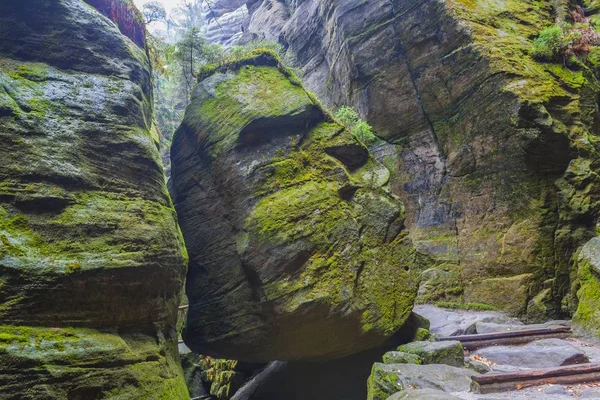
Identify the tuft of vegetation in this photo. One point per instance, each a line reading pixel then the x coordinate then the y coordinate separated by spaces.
pixel 567 41
pixel 359 128
pixel 549 44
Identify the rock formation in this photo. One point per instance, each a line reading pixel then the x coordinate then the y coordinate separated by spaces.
pixel 91 258
pixel 492 151
pixel 297 250
pixel 224 20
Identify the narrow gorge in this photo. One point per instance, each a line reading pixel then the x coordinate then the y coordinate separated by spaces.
pixel 292 199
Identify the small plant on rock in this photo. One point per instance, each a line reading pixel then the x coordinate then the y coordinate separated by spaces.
pixel 359 128
pixel 565 41
pixel 549 44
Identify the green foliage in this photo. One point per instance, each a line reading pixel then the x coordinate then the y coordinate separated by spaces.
pixel 550 43
pixel 359 128
pixel 566 42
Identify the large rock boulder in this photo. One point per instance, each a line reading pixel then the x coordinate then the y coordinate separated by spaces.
pixel 588 287
pixel 386 380
pixel 297 249
pixel 493 152
pixel 91 259
pixel 448 352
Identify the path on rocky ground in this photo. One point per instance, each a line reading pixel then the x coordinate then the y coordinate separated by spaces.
pixel 444 382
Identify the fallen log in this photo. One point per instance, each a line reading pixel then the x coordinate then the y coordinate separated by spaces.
pixel 502 382
pixel 497 377
pixel 508 334
pixel 478 344
pixel 478 341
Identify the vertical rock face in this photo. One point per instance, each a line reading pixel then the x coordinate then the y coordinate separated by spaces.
pixel 297 250
pixel 224 20
pixel 91 259
pixel 493 153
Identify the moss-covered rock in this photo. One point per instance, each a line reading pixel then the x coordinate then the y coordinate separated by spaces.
pixel 400 357
pixel 91 258
pixel 445 352
pixel 588 277
pixel 297 248
pixel 493 152
pixel 386 380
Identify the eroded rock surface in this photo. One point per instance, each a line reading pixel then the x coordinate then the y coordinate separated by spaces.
pixel 297 249
pixel 91 259
pixel 224 20
pixel 386 380
pixel 492 152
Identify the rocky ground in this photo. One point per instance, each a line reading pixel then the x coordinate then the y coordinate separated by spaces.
pixel 439 377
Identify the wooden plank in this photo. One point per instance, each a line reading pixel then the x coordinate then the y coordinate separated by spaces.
pixel 474 345
pixel 507 334
pixel 534 374
pixel 185 307
pixel 517 385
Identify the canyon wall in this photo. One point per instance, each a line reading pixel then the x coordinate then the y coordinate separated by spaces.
pixel 91 258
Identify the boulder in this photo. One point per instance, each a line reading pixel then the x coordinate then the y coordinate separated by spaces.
pixel 400 357
pixel 386 380
pixel 445 352
pixel 91 259
pixel 544 353
pixel 297 249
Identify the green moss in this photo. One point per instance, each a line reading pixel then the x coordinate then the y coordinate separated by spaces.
pixel 382 382
pixel 31 72
pixel 423 334
pixel 255 92
pixel 444 352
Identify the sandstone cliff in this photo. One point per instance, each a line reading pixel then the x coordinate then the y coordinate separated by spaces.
pixel 493 152
pixel 91 258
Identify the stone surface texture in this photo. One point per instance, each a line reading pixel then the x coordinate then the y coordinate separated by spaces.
pixel 446 352
pixel 386 380
pixel 297 248
pixel 491 151
pixel 91 258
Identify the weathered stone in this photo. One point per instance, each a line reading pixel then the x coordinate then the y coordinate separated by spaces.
pixel 294 255
pixel 224 21
pixel 445 352
pixel 493 152
pixel 440 284
pixel 490 327
pixel 510 294
pixel 544 353
pixel 458 322
pixel 386 380
pixel 400 357
pixel 91 258
pixel 588 275
pixel 477 366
